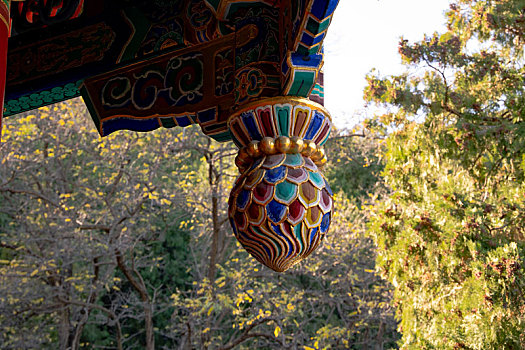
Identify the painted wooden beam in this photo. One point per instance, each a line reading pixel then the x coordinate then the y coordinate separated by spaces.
pixel 4 34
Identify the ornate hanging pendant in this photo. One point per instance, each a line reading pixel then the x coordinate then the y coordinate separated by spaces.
pixel 281 205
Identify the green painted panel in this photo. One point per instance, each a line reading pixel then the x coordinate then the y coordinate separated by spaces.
pixel 168 122
pixel 302 83
pixel 315 27
pixel 283 117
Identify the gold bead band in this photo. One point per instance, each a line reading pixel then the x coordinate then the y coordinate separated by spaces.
pixel 282 144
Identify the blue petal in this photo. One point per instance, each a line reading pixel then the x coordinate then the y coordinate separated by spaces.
pixel 242 199
pixel 275 175
pixel 325 224
pixel 276 211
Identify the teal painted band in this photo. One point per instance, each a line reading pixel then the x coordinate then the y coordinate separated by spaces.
pixel 42 98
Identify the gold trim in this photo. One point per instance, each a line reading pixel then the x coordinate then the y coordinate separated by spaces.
pixel 6 19
pixel 244 159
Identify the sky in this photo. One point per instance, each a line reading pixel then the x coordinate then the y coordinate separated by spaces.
pixel 364 34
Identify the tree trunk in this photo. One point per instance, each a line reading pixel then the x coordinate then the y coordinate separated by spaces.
pixel 63 328
pixel 148 318
pixel 139 286
pixel 214 251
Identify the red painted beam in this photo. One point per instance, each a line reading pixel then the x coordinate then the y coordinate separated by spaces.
pixel 4 34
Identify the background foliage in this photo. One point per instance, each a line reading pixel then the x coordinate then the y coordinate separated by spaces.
pixel 451 233
pixel 123 242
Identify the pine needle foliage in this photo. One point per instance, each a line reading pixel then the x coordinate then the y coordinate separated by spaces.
pixel 451 234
